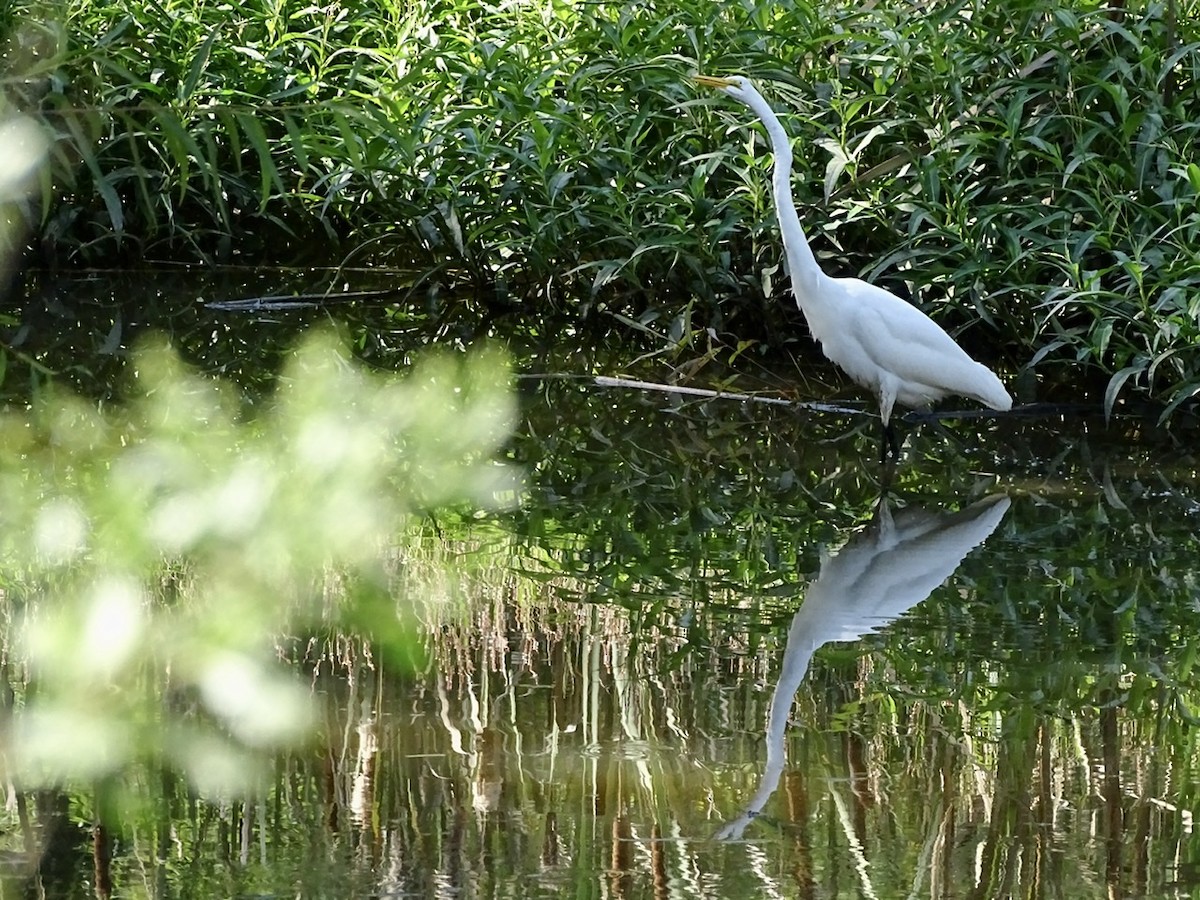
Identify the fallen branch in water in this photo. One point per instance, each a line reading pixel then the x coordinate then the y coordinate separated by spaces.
pixel 300 301
pixel 608 381
pixel 1028 410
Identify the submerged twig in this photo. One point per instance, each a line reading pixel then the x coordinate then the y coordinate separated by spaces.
pixel 299 301
pixel 609 381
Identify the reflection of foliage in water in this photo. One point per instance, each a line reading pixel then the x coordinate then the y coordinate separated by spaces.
pixel 256 513
pixel 975 729
pixel 596 671
pixel 553 742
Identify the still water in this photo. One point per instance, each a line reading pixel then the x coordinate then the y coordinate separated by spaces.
pixel 717 651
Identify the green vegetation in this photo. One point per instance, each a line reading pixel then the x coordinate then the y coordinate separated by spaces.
pixel 220 588
pixel 1023 166
pixel 186 542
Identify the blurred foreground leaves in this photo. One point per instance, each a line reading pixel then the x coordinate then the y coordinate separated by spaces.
pixel 155 557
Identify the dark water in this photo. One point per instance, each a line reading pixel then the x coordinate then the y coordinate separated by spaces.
pixel 716 651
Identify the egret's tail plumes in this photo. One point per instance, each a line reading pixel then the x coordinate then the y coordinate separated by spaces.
pixel 991 391
pixel 983 385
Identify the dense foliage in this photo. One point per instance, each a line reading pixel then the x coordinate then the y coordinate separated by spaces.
pixel 1023 166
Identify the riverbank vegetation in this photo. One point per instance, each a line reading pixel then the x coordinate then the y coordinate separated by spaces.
pixel 1026 171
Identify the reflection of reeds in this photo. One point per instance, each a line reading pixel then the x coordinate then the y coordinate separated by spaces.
pixel 550 745
pixel 600 749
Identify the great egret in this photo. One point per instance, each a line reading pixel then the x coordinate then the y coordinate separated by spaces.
pixel 880 341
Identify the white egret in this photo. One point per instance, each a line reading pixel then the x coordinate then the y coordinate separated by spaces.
pixel 880 341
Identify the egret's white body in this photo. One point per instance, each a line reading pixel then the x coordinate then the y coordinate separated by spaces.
pixel 883 343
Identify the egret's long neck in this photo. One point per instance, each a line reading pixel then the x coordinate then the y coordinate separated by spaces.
pixel 806 274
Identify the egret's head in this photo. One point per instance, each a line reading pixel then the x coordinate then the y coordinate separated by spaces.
pixel 737 86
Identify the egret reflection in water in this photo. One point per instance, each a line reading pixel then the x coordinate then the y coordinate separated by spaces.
pixel 880 573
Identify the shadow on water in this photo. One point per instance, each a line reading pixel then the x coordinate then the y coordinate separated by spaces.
pixel 654 679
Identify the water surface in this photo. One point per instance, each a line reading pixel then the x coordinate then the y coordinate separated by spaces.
pixel 718 651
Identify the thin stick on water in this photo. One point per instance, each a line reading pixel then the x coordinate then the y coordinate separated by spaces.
pixel 634 384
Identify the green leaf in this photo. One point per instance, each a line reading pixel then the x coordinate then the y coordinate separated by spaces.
pixel 268 172
pixel 182 147
pixel 296 137
pixel 1182 395
pixel 1114 387
pixel 1193 174
pixel 100 179
pixel 198 65
pixel 838 160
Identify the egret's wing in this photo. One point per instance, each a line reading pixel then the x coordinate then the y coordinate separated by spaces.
pixel 901 339
pixel 908 572
pixel 870 582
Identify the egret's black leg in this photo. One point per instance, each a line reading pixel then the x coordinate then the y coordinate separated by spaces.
pixel 890 448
